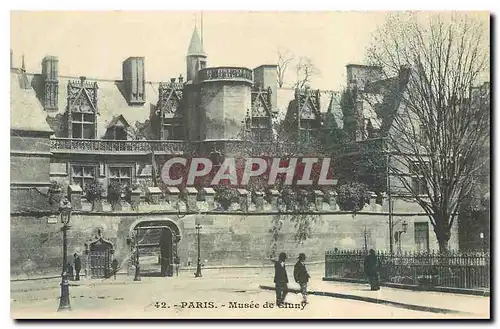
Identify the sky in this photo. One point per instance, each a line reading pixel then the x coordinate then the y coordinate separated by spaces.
pixel 94 44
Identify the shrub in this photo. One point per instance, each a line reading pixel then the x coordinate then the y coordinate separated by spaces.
pixel 114 192
pixel 94 190
pixel 225 195
pixel 54 193
pixel 352 196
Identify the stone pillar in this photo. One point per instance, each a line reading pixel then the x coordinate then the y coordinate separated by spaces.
pixel 153 194
pixel 258 199
pixel 373 201
pixel 243 195
pixel 191 196
pixel 332 199
pixel 135 199
pixel 385 202
pixel 85 258
pixel 173 195
pixel 318 199
pixel 209 196
pixel 273 196
pixel 302 199
pixel 75 196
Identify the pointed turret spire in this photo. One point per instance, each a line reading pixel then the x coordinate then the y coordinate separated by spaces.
pixel 195 46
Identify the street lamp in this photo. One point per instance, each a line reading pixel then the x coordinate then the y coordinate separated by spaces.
pixel 481 236
pixel 132 242
pixel 198 263
pixel 397 235
pixel 65 210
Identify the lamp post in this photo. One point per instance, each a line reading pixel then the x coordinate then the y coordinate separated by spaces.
pixel 198 262
pixel 65 210
pixel 388 177
pixel 397 235
pixel 481 236
pixel 132 241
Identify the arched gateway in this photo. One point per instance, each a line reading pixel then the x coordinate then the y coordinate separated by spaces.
pixel 157 235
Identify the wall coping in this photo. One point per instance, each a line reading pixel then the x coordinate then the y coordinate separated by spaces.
pixel 213 212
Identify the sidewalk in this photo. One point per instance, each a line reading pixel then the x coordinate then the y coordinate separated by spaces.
pixel 428 301
pixel 48 284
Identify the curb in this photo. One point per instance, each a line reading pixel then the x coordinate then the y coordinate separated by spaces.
pixel 375 301
pixel 463 291
pixel 185 268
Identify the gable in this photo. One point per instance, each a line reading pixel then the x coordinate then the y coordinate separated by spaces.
pixel 82 97
pixel 118 121
pixel 169 100
pixel 260 104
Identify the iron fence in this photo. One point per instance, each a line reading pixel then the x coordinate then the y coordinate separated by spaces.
pixel 453 269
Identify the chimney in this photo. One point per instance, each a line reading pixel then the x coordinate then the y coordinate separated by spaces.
pixel 265 76
pixel 134 80
pixel 181 79
pixel 50 75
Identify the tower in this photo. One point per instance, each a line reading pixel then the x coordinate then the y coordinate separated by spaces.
pixel 196 58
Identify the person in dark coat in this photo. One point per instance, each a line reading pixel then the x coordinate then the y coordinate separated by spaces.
pixel 280 279
pixel 177 263
pixel 114 264
pixel 69 268
pixel 371 270
pixel 301 276
pixel 78 266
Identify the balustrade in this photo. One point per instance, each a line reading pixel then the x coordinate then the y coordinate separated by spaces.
pixel 111 146
pixel 226 73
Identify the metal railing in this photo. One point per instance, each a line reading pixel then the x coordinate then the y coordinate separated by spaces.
pixel 453 269
pixel 226 73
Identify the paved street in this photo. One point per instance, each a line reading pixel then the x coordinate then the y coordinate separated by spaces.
pixel 212 296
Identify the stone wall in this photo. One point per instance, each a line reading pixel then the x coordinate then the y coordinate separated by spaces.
pixel 226 238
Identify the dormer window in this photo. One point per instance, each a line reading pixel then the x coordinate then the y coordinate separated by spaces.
pixel 117 129
pixel 83 125
pixel 116 133
pixel 306 130
pixel 261 130
pixel 172 129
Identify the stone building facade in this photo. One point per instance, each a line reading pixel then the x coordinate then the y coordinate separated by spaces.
pixel 75 130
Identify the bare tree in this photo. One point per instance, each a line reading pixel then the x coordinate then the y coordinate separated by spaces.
pixel 441 123
pixel 305 70
pixel 285 58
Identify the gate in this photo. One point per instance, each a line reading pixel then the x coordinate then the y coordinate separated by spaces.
pixel 100 258
pixel 100 264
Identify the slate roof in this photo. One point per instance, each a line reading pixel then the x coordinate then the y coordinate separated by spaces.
pixel 329 102
pixel 195 46
pixel 26 112
pixel 111 103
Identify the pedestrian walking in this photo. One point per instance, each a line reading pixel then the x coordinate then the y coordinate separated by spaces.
pixel 70 272
pixel 280 279
pixel 114 265
pixel 177 263
pixel 78 266
pixel 301 276
pixel 371 270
